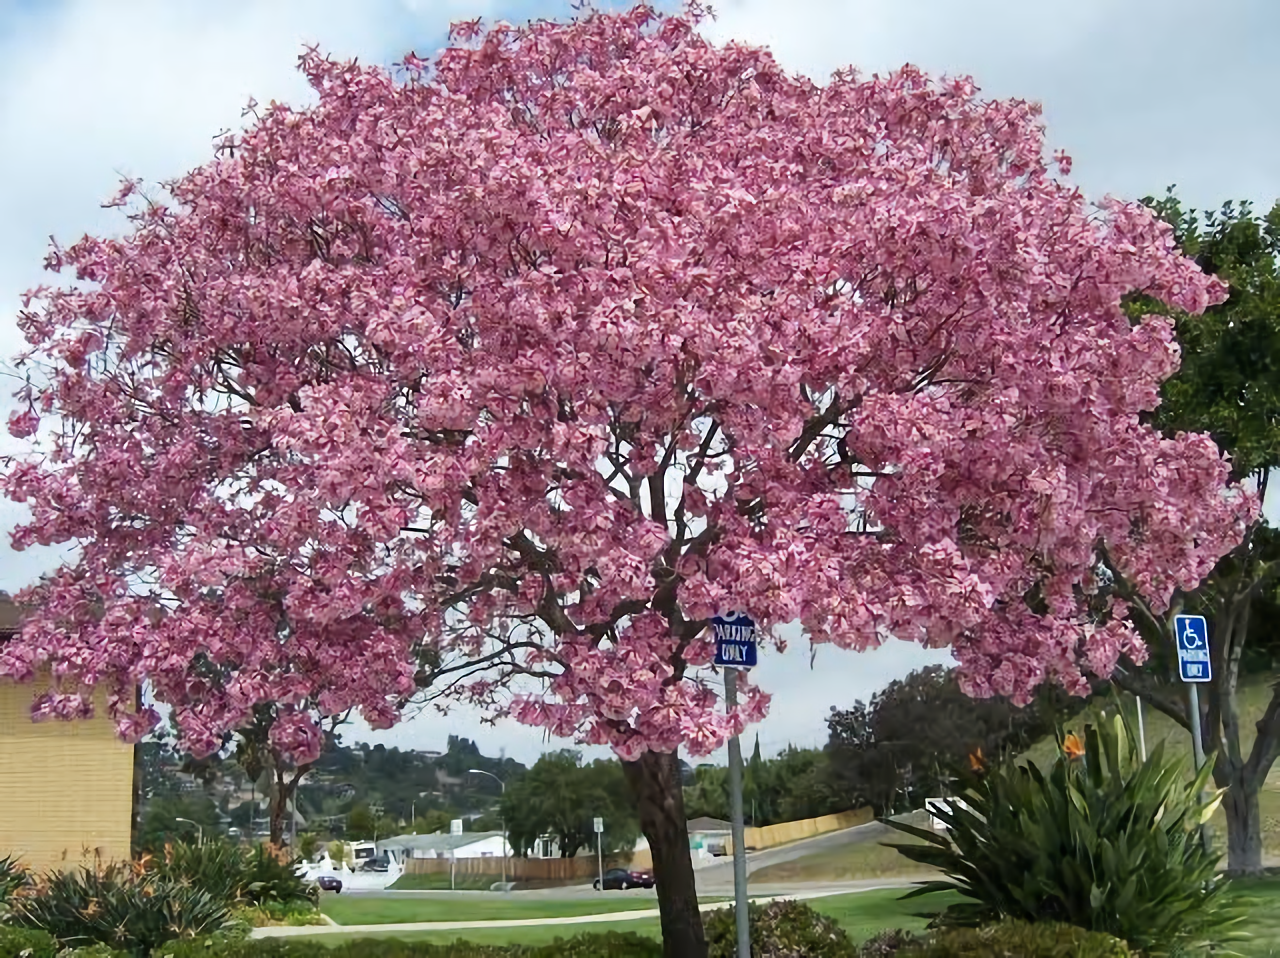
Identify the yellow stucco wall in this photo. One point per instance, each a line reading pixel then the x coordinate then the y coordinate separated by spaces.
pixel 66 788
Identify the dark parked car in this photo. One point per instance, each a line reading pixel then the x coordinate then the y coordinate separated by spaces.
pixel 330 883
pixel 622 879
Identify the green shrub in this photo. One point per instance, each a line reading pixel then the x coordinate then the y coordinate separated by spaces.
pixel 271 879
pixel 1046 940
pixel 886 944
pixel 780 929
pixel 26 943
pixel 129 910
pixel 218 867
pixel 12 877
pixel 611 945
pixel 1103 841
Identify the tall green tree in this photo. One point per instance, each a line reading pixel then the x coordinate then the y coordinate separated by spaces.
pixel 560 797
pixel 1228 386
pixel 907 742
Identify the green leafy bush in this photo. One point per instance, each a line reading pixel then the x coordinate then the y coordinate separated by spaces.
pixel 1103 841
pixel 611 945
pixel 26 943
pixel 12 877
pixel 218 867
pixel 886 944
pixel 1046 940
pixel 127 909
pixel 780 929
pixel 269 878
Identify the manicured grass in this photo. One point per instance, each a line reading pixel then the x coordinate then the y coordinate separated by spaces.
pixel 363 910
pixel 1264 918
pixel 864 860
pixel 440 882
pixel 866 913
pixel 862 914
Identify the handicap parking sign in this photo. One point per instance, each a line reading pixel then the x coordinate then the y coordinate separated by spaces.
pixel 1192 634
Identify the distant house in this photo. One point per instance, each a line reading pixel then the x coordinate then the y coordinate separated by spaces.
pixel 709 836
pixel 466 845
pixel 66 788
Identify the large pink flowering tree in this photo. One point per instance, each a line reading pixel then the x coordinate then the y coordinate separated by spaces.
pixel 527 360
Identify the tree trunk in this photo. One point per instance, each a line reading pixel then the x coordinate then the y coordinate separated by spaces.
pixel 278 807
pixel 655 780
pixel 1244 829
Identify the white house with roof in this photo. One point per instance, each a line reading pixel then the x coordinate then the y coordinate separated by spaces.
pixel 467 845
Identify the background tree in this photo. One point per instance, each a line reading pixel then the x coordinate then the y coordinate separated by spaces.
pixel 1228 386
pixel 529 360
pixel 160 823
pixel 909 741
pixel 560 797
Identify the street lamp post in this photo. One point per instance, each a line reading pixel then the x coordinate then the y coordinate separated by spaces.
pixel 480 771
pixel 199 829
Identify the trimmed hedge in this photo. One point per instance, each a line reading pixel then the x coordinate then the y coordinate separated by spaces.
pixel 33 943
pixel 780 929
pixel 611 945
pixel 1021 939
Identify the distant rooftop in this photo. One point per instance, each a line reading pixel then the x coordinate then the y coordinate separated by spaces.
pixel 708 825
pixel 435 843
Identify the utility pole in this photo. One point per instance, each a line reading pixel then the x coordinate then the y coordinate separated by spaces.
pixel 503 818
pixel 740 905
pixel 735 638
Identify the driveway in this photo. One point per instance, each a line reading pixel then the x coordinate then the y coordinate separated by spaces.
pixel 717 879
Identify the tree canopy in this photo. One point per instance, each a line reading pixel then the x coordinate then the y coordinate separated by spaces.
pixel 526 360
pixel 560 797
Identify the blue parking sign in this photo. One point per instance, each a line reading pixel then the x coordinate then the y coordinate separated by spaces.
pixel 735 636
pixel 1192 634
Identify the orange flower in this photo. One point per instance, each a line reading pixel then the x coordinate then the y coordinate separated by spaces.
pixel 976 761
pixel 1072 747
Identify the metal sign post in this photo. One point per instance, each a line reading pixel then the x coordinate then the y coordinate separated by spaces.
pixel 736 649
pixel 1194 667
pixel 599 826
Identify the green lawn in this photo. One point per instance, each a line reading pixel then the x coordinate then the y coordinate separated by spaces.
pixel 440 882
pixel 862 915
pixel 362 910
pixel 865 860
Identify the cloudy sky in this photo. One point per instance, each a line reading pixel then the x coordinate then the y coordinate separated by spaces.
pixel 1142 94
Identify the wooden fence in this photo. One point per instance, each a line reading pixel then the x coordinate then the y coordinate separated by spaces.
pixel 786 832
pixel 518 869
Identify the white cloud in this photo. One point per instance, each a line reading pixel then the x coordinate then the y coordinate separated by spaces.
pixel 1142 93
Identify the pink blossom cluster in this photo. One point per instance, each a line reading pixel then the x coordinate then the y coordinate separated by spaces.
pixel 539 354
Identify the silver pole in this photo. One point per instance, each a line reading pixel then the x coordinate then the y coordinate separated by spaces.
pixel 1197 748
pixel 600 860
pixel 741 918
pixel 1142 731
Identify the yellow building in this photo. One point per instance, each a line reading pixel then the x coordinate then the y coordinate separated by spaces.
pixel 66 788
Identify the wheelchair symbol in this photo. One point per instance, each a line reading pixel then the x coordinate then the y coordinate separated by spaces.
pixel 1190 638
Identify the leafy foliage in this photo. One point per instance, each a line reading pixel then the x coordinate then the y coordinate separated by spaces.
pixel 609 945
pixel 1102 840
pixel 780 929
pixel 26 943
pixel 233 875
pixel 12 877
pixel 160 825
pixel 1228 385
pixel 910 740
pixel 1025 940
pixel 792 785
pixel 123 907
pixel 560 796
